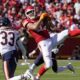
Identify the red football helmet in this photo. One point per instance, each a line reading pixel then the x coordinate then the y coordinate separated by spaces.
pixel 29 12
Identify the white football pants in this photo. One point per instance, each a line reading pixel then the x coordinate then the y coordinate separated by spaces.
pixel 47 45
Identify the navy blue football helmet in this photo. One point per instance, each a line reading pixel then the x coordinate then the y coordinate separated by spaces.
pixel 5 21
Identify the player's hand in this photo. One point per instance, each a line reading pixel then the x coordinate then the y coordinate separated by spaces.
pixel 32 53
pixel 43 15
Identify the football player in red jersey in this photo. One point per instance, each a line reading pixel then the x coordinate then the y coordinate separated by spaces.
pixel 35 26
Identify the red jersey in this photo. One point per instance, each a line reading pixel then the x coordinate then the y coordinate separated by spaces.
pixel 39 34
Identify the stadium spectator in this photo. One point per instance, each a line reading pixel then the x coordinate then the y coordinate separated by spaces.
pixel 76 53
pixel 77 6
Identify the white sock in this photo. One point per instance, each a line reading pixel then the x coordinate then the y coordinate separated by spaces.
pixel 19 77
pixel 32 67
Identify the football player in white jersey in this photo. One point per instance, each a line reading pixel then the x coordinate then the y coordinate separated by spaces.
pixel 8 41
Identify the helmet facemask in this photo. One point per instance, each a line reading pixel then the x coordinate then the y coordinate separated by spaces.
pixel 30 14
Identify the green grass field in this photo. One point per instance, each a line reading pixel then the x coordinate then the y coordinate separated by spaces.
pixel 50 75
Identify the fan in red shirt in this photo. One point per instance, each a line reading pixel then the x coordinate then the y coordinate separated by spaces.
pixel 41 2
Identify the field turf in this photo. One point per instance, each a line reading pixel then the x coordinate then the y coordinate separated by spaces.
pixel 50 75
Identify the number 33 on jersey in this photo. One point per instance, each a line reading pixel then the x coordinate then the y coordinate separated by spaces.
pixel 8 39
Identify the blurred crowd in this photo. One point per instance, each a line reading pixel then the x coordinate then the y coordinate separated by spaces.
pixel 63 13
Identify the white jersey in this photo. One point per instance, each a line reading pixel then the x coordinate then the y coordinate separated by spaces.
pixel 8 39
